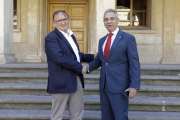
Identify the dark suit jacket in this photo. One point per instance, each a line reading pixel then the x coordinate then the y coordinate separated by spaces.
pixel 63 66
pixel 123 58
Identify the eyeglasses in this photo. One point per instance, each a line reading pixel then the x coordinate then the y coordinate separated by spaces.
pixel 60 21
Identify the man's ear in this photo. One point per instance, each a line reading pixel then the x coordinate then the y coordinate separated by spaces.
pixel 69 20
pixel 118 20
pixel 54 23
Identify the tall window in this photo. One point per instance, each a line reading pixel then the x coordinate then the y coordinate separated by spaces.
pixel 15 15
pixel 133 13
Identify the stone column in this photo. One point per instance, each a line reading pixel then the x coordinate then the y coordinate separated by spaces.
pixel 6 32
pixel 43 29
pixel 169 32
pixel 92 34
pixel 33 31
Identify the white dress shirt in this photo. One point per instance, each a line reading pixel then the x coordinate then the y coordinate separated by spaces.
pixel 112 38
pixel 72 43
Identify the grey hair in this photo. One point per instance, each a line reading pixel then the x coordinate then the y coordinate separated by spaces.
pixel 110 10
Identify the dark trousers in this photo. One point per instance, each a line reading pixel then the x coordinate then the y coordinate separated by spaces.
pixel 114 106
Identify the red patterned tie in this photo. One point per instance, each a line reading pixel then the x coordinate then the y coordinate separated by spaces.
pixel 107 47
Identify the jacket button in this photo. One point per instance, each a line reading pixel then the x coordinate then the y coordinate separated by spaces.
pixel 106 63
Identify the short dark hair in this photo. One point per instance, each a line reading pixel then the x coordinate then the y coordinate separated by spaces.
pixel 60 11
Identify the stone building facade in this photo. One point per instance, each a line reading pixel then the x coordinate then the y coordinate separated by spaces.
pixel 159 43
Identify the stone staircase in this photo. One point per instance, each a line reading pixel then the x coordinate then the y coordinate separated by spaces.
pixel 23 93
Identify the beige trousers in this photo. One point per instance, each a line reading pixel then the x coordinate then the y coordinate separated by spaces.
pixel 73 101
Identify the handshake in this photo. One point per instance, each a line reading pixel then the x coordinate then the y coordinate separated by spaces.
pixel 85 68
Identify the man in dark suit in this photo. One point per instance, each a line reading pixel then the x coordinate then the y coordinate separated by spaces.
pixel 120 69
pixel 65 81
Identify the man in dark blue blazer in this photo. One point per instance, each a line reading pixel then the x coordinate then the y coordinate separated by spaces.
pixel 120 69
pixel 65 81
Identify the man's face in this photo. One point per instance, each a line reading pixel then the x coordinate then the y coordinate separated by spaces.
pixel 111 21
pixel 61 22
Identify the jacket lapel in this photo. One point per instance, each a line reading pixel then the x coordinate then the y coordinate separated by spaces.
pixel 115 43
pixel 101 48
pixel 74 39
pixel 65 40
pixel 76 45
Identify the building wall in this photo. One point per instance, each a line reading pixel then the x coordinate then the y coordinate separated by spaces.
pixel 158 45
pixel 29 39
pixel 177 31
pixel 150 41
pixel 20 37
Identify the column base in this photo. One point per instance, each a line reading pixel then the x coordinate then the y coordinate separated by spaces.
pixel 7 58
pixel 32 58
pixel 169 60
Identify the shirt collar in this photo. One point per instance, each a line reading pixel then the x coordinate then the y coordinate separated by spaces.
pixel 69 31
pixel 115 32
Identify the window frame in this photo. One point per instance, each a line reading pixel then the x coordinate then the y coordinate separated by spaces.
pixel 18 29
pixel 148 17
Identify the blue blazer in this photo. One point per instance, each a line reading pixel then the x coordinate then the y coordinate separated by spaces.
pixel 63 66
pixel 122 68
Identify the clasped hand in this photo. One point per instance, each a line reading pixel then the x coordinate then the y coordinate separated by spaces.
pixel 85 68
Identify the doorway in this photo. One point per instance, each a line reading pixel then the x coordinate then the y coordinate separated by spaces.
pixel 78 14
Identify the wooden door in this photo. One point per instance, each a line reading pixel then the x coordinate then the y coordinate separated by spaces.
pixel 78 14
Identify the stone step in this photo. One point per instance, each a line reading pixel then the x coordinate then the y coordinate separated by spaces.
pixel 28 68
pixel 23 89
pixel 24 68
pixel 89 79
pixel 145 90
pixel 160 80
pixel 39 78
pixel 168 104
pixel 24 78
pixel 159 91
pixel 160 69
pixel 7 114
pixel 90 89
pixel 145 79
pixel 42 68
